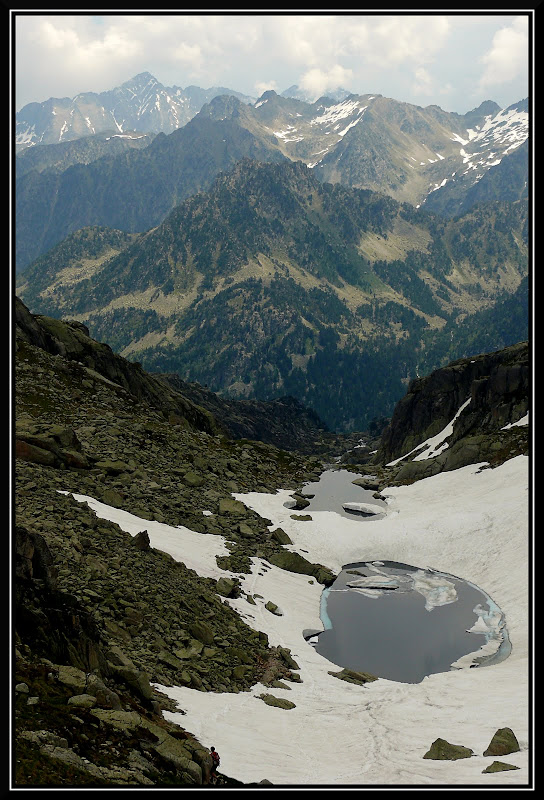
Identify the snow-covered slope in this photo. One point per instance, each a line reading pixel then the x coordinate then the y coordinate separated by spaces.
pixel 470 522
pixel 483 149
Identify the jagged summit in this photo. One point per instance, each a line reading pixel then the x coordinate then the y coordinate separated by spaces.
pixel 140 103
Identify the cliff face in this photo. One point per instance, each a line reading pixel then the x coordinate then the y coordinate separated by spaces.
pixel 497 386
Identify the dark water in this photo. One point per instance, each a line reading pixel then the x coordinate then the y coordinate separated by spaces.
pixel 393 636
pixel 336 487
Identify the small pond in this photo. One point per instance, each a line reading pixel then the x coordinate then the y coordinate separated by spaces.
pixel 335 488
pixel 402 623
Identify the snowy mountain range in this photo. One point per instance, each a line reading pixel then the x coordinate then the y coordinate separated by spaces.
pixel 141 103
pixel 372 142
pixel 414 154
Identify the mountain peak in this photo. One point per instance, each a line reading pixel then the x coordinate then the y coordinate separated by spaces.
pixel 221 106
pixel 485 108
pixel 141 76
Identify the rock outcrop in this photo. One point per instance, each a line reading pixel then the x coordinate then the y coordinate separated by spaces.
pixel 71 340
pixel 496 386
pixel 443 750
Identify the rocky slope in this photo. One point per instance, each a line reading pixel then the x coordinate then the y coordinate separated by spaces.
pixel 100 615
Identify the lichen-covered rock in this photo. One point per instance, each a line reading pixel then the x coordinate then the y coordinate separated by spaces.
pixel 279 535
pixel 285 653
pixel 353 676
pixel 442 750
pixel 228 505
pixel 225 586
pixel 294 562
pixel 82 701
pixel 503 742
pixel 498 766
pixel 277 702
pixel 111 497
pixel 201 631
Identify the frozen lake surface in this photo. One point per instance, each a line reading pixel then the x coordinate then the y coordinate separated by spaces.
pixel 403 623
pixel 335 488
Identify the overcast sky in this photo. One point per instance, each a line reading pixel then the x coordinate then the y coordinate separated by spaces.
pixel 454 61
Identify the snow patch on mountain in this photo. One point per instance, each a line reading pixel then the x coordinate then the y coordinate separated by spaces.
pixel 435 444
pixel 333 114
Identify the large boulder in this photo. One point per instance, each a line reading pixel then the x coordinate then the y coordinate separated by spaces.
pixel 499 766
pixel 277 702
pixel 294 562
pixel 442 750
pixel 503 742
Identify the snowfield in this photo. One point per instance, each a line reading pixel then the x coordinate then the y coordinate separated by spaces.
pixel 471 523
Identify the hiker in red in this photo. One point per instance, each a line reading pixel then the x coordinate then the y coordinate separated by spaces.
pixel 215 763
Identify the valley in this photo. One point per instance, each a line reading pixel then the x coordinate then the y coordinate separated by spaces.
pixel 272 431
pixel 379 281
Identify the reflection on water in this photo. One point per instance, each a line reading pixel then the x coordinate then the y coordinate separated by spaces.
pixel 403 623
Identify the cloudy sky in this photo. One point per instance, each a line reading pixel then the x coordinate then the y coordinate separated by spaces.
pixel 455 61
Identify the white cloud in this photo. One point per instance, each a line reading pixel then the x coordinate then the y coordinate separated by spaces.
pixel 402 56
pixel 188 53
pixel 396 40
pixel 508 56
pixel 264 86
pixel 316 81
pixel 424 84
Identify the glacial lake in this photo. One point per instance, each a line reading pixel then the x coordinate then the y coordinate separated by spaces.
pixel 403 623
pixel 334 488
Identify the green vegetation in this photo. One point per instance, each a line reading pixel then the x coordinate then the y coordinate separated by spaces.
pixel 258 289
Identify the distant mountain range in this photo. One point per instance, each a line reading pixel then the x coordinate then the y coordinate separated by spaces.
pixel 141 103
pixel 424 156
pixel 274 283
